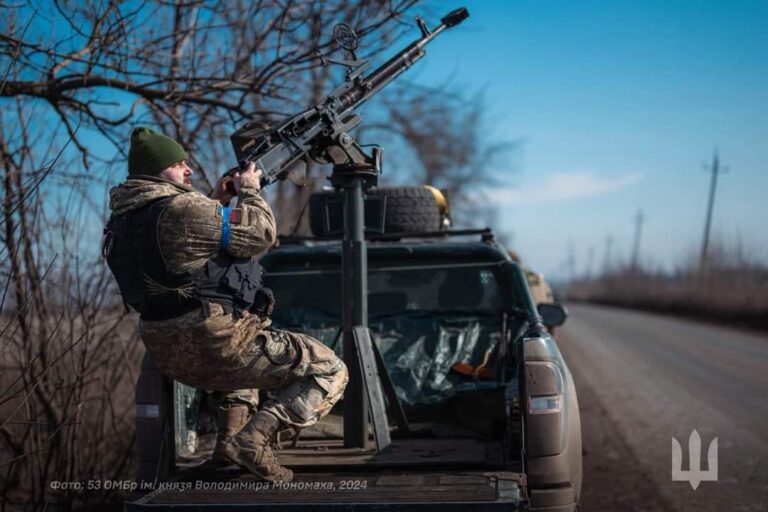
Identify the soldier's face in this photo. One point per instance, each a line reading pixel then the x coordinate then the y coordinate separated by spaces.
pixel 179 172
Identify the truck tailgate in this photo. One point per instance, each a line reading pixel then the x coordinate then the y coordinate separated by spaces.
pixel 412 490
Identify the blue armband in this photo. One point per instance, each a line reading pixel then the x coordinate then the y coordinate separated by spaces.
pixel 225 212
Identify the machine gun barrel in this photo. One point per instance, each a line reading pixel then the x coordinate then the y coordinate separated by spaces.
pixel 308 131
pixel 388 71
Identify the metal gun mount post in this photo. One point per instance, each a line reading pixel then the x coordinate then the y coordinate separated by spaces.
pixel 363 393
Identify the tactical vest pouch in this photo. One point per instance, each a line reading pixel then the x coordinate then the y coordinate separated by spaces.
pixel 232 282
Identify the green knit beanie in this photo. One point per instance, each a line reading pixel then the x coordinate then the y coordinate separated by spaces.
pixel 151 152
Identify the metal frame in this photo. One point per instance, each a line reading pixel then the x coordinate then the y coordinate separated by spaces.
pixel 486 235
pixel 363 394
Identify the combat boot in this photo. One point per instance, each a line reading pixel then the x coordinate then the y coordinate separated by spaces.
pixel 254 449
pixel 231 420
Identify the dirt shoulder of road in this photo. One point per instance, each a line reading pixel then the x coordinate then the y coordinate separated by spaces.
pixel 613 480
pixel 643 380
pixel 748 321
pixel 730 291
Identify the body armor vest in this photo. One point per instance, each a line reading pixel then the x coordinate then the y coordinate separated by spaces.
pixel 133 254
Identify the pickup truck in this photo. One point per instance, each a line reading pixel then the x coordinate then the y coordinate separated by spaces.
pixel 486 415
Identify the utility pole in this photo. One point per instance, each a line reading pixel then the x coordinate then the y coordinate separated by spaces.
pixel 607 256
pixel 590 260
pixel 571 261
pixel 715 169
pixel 639 219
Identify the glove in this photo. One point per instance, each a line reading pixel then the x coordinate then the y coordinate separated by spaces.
pixel 264 303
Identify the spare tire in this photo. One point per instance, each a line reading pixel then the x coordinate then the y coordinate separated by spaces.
pixel 408 210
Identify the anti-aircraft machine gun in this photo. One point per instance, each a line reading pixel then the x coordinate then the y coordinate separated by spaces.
pixel 322 134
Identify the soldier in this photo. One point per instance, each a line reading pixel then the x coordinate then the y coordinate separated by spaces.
pixel 187 264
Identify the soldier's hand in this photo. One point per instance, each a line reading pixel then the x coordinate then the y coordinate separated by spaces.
pixel 251 175
pixel 224 190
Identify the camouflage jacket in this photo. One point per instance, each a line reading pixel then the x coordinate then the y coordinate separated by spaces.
pixel 190 227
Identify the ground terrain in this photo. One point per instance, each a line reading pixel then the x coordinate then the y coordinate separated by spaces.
pixel 644 378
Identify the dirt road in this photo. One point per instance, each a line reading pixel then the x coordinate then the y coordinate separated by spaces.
pixel 644 378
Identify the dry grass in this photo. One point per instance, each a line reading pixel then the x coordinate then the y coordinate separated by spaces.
pixel 66 408
pixel 731 288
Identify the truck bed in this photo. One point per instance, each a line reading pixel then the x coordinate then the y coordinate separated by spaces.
pixel 327 455
pixel 354 491
pixel 461 474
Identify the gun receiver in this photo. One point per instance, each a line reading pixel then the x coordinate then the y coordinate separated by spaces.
pixel 322 133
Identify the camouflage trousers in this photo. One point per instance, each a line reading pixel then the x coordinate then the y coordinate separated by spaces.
pixel 248 397
pixel 220 352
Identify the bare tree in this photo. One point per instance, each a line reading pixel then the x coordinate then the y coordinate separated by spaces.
pixel 440 137
pixel 194 68
pixel 67 356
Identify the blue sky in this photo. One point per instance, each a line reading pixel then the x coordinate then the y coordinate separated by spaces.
pixel 618 105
